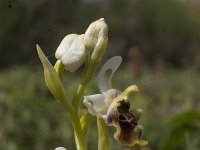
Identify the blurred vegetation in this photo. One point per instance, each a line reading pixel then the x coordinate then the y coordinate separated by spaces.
pixel 160 28
pixel 159 40
pixel 32 119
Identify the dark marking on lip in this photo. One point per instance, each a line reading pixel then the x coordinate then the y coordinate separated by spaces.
pixel 127 122
pixel 123 107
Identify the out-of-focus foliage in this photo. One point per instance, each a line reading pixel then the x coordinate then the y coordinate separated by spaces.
pixel 183 128
pixel 27 22
pixel 32 119
pixel 160 28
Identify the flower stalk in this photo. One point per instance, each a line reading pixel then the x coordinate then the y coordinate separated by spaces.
pixel 79 134
pixel 80 91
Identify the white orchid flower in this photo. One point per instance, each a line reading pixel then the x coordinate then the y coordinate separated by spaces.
pixel 60 148
pixel 72 52
pixel 113 106
pixel 98 104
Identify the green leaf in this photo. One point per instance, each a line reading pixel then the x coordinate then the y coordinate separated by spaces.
pixel 53 81
pixel 178 127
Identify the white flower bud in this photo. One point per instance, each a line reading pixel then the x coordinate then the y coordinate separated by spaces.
pixel 95 31
pixel 60 148
pixel 72 52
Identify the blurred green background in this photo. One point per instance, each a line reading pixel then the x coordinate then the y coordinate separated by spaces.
pixel 160 44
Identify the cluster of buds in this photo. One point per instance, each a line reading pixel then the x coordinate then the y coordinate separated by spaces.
pixel 73 49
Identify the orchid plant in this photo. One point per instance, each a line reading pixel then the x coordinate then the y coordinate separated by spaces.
pixel 111 107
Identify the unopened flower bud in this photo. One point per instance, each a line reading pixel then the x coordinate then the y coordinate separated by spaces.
pixel 60 148
pixel 72 52
pixel 95 31
pixel 99 49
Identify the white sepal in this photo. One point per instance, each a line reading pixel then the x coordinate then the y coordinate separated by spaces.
pixel 105 75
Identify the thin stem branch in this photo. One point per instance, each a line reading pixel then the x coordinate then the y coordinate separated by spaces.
pixel 80 92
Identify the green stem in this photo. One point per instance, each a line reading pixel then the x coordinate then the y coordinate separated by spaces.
pixel 79 135
pixel 91 66
pixel 80 91
pixel 79 131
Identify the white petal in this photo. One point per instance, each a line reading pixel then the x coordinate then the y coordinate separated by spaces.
pixel 60 148
pixel 95 104
pixel 106 73
pixel 71 51
pixel 110 95
pixel 65 45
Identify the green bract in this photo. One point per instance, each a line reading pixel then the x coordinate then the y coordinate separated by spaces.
pixel 103 139
pixel 53 81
